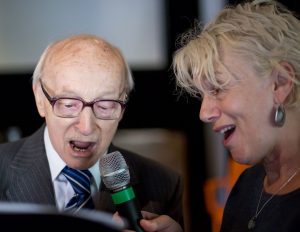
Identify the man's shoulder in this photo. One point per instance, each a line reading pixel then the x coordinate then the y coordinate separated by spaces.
pixel 144 167
pixel 9 148
pixel 137 160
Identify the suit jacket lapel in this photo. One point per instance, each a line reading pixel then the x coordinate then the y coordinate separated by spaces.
pixel 104 201
pixel 30 178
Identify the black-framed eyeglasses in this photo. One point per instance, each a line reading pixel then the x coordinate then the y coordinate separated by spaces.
pixel 69 107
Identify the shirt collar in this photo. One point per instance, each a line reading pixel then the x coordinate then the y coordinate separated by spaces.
pixel 57 164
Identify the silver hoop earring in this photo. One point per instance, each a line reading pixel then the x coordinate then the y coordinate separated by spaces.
pixel 279 118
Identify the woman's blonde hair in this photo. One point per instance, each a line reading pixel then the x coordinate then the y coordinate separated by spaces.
pixel 264 32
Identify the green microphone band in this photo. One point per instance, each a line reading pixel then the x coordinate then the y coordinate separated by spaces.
pixel 123 196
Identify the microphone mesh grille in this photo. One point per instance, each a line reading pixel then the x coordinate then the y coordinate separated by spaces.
pixel 114 170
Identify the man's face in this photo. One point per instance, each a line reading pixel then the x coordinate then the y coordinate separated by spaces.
pixel 81 140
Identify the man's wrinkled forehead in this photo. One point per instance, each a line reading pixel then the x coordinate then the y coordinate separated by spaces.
pixel 81 49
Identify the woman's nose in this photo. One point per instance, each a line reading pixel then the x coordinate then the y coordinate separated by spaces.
pixel 209 110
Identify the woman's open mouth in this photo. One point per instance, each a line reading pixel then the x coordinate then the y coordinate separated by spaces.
pixel 227 131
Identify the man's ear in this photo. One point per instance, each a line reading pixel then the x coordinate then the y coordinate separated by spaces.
pixel 121 117
pixel 39 101
pixel 283 83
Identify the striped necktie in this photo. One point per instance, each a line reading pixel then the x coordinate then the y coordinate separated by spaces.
pixel 80 181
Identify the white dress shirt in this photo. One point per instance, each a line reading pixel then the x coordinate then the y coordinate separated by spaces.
pixel 62 188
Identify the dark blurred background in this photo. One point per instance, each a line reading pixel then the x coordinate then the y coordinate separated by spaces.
pixel 153 104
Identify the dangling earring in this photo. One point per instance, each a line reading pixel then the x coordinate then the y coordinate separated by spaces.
pixel 279 118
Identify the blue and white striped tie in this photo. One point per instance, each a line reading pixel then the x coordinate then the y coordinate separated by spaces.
pixel 80 181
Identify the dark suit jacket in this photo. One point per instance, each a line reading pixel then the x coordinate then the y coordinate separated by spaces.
pixel 25 177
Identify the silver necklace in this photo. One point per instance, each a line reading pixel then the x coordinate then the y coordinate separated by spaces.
pixel 252 221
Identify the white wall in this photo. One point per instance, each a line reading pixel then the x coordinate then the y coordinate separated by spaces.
pixel 135 26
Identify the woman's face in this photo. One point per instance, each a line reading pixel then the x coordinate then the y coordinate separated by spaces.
pixel 243 111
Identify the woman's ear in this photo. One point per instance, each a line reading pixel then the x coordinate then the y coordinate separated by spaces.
pixel 283 83
pixel 39 101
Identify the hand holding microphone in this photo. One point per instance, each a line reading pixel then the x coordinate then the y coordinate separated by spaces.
pixel 116 177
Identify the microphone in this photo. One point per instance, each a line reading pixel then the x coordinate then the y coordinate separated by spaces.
pixel 116 177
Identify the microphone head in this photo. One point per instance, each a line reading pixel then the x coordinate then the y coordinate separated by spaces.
pixel 114 170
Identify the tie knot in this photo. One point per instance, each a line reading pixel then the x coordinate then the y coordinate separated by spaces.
pixel 79 179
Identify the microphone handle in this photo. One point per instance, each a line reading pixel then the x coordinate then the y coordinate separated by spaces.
pixel 127 206
pixel 130 211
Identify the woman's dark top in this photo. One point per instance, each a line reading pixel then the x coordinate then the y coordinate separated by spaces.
pixel 282 213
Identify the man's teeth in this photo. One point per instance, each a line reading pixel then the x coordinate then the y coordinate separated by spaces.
pixel 79 149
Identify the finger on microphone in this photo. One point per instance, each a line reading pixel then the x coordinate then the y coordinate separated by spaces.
pixel 162 223
pixel 118 219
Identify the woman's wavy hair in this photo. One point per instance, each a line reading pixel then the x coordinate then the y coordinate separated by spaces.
pixel 263 31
